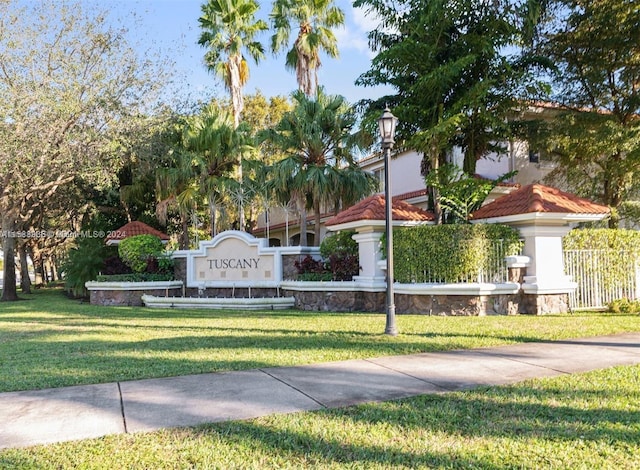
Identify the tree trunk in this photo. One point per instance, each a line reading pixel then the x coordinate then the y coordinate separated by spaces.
pixel 38 265
pixel 52 265
pixel 236 81
pixel 184 237
pixel 303 222
pixel 45 270
pixel 212 210
pixel 9 292
pixel 316 229
pixel 437 207
pixel 469 163
pixel 25 280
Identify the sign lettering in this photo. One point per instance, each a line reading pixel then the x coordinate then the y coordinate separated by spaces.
pixel 233 263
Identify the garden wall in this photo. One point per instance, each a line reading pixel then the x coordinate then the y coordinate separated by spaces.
pixel 130 293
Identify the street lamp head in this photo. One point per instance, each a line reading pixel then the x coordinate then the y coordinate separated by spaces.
pixel 387 124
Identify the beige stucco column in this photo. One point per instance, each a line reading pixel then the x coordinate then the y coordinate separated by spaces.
pixel 545 273
pixel 370 252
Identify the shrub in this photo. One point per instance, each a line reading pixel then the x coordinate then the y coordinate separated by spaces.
pixel 309 265
pixel 620 247
pixel 340 251
pixel 114 265
pixel 83 264
pixel 339 243
pixel 135 251
pixel 343 266
pixel 624 305
pixel 135 277
pixel 594 239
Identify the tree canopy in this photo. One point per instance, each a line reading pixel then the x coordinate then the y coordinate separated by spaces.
pixel 315 20
pixel 319 138
pixel 70 86
pixel 455 71
pixel 595 130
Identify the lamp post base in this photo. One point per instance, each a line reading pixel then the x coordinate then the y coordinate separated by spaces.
pixel 391 328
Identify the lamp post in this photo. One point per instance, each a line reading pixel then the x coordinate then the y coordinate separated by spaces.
pixel 387 124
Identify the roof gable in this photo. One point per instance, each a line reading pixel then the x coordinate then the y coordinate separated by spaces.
pixel 537 198
pixel 374 208
pixel 132 229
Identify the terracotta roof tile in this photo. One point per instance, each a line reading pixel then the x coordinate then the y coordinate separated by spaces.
pixel 410 194
pixel 373 208
pixel 136 228
pixel 538 198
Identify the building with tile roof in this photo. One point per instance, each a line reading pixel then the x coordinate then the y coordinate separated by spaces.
pixel 407 183
pixel 134 228
pixel 372 211
pixel 545 202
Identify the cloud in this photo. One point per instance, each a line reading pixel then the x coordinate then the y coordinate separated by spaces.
pixel 354 35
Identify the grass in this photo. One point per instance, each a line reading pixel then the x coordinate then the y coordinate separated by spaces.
pixel 582 421
pixel 51 341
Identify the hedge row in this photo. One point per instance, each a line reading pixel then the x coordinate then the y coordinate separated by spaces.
pixel 450 252
pixel 614 257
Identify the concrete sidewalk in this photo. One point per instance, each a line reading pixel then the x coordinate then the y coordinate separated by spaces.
pixel 62 414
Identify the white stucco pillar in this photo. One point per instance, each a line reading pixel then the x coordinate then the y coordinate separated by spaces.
pixel 545 273
pixel 370 252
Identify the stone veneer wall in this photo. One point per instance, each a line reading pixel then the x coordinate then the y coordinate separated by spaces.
pixel 457 305
pixel 544 304
pixel 449 305
pixel 337 301
pixel 128 298
pixel 180 269
pixel 230 292
pixel 289 270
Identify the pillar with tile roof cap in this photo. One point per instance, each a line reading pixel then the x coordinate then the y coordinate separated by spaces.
pixel 367 218
pixel 543 215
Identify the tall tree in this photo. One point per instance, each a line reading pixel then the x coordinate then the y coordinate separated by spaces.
pixel 215 145
pixel 320 139
pixel 595 134
pixel 229 31
pixel 69 87
pixel 315 20
pixel 455 83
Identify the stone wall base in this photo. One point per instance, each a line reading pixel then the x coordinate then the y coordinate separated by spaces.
pixel 543 304
pixel 337 301
pixel 443 305
pixel 231 292
pixel 362 301
pixel 457 305
pixel 127 298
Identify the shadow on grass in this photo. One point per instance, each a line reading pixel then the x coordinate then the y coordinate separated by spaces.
pixel 56 341
pixel 409 429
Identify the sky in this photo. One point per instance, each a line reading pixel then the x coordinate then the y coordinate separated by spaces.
pixel 171 28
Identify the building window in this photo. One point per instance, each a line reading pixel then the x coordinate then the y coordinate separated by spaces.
pixel 379 174
pixel 542 157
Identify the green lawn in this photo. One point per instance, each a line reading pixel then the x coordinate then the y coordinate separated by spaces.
pixel 51 341
pixel 583 421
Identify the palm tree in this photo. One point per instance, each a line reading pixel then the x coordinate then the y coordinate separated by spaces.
pixel 176 186
pixel 229 28
pixel 216 144
pixel 319 140
pixel 314 18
